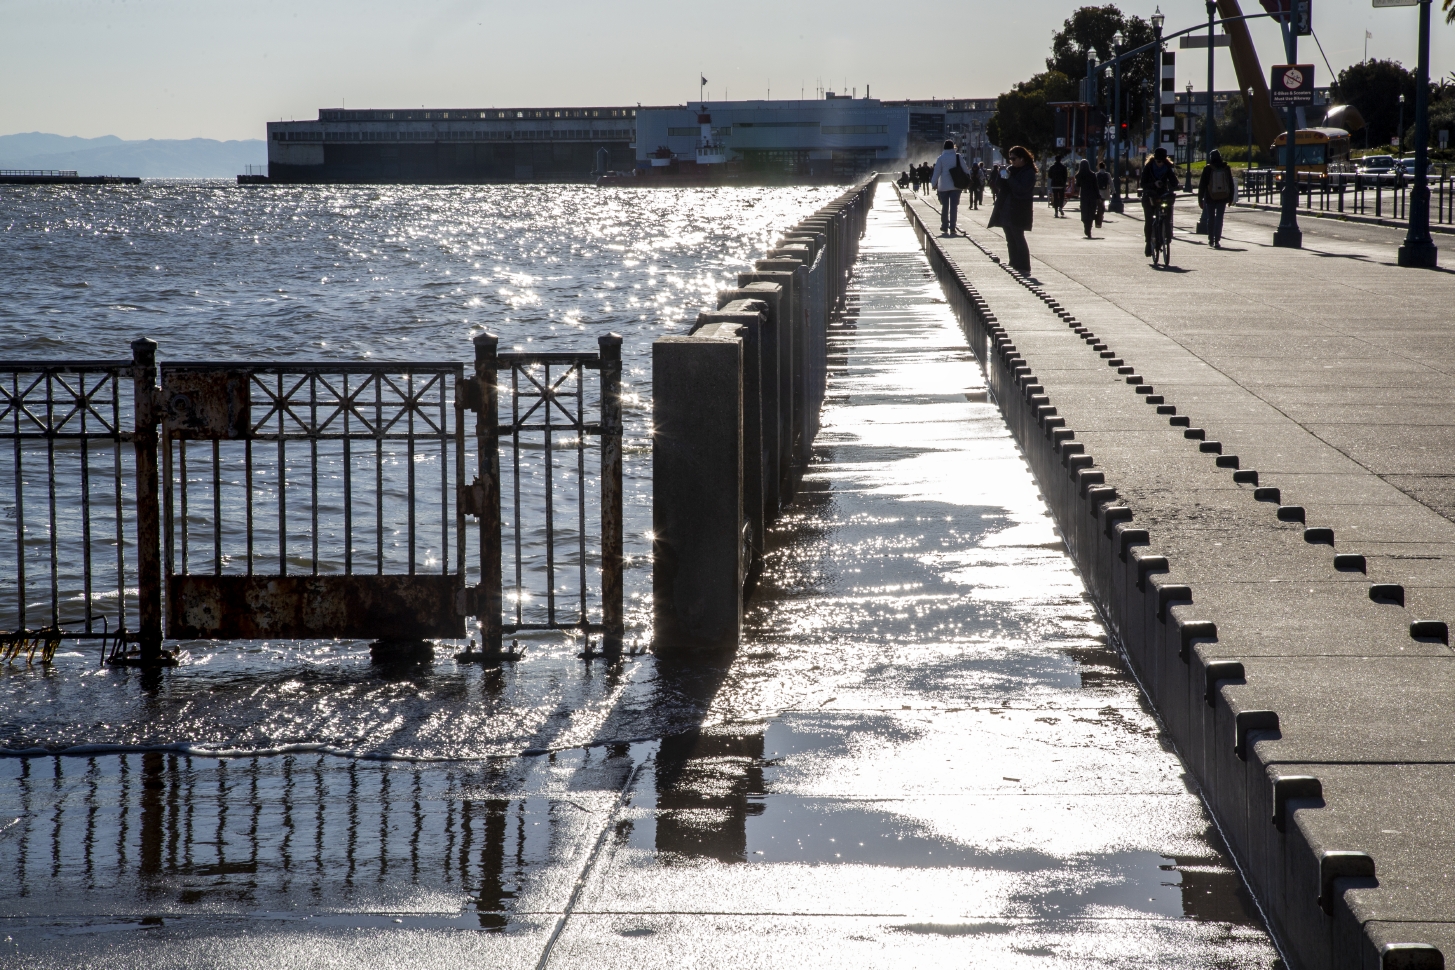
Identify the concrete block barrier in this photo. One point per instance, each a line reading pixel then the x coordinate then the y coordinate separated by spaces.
pixel 1308 701
pixel 735 412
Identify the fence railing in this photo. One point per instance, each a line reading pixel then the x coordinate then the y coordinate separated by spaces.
pixel 252 500
pixel 37 173
pixel 1383 195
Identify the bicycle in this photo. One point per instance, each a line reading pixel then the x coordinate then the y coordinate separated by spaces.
pixel 1162 231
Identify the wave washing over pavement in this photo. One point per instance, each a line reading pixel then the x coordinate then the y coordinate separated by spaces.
pixel 925 754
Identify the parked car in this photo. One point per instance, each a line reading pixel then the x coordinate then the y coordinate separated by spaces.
pixel 1376 165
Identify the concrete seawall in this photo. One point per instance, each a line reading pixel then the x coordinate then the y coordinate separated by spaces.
pixel 735 410
pixel 1309 705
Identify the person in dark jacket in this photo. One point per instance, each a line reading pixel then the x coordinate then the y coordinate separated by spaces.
pixel 1015 206
pixel 977 185
pixel 1159 181
pixel 1089 194
pixel 1215 189
pixel 1103 185
pixel 1056 177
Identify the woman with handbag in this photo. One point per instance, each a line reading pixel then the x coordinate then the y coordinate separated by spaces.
pixel 1015 207
pixel 949 179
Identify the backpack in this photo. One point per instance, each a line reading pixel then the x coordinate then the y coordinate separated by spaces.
pixel 1219 186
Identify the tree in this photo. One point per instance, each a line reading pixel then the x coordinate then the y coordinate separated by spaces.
pixel 1089 31
pixel 1374 88
pixel 1023 116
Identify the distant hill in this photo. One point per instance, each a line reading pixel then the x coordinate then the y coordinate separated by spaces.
pixel 108 155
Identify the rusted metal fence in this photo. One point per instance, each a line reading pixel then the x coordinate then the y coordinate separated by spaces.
pixel 547 437
pixel 71 572
pixel 246 500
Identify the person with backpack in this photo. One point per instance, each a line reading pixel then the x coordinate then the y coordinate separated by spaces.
pixel 1103 191
pixel 1214 191
pixel 1056 177
pixel 950 177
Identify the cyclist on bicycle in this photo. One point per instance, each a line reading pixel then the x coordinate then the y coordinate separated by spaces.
pixel 1159 183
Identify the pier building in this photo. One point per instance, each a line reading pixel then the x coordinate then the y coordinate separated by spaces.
pixel 452 145
pixel 832 138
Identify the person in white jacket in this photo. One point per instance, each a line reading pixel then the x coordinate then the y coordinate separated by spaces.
pixel 943 180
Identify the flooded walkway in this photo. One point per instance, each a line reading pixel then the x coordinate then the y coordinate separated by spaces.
pixel 926 754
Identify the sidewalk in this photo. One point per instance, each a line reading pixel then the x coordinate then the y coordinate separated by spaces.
pixel 1309 385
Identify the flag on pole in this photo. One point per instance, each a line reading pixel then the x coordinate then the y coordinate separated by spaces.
pixel 704 80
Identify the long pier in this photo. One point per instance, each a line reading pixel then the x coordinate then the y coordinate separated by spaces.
pixel 1249 460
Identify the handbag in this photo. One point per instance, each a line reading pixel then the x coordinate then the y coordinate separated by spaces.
pixel 997 212
pixel 958 175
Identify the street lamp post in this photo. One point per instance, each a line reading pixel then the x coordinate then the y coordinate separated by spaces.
pixel 1158 19
pixel 1248 106
pixel 1419 249
pixel 1115 205
pixel 1288 234
pixel 1189 132
pixel 1399 133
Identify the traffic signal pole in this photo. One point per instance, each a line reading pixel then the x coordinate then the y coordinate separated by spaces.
pixel 1288 235
pixel 1419 249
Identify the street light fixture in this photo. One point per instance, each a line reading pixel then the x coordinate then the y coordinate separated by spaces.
pixel 1158 19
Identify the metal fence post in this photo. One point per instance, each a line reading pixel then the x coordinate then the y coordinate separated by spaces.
pixel 147 413
pixel 490 598
pixel 612 586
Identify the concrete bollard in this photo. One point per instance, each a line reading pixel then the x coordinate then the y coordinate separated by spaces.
pixel 772 349
pixel 697 496
pixel 750 317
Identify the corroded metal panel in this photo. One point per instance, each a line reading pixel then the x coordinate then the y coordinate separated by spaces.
pixel 306 607
pixel 206 405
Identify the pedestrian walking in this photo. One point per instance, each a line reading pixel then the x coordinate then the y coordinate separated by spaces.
pixel 1014 209
pixel 1088 193
pixel 977 185
pixel 993 181
pixel 949 178
pixel 1215 189
pixel 1103 192
pixel 1056 177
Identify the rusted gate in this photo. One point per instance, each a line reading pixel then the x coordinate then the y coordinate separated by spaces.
pixel 307 500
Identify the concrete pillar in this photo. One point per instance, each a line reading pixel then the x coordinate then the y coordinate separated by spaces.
pixel 772 372
pixel 750 317
pixel 697 506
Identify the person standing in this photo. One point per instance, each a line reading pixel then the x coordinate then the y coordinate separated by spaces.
pixel 1088 193
pixel 1056 177
pixel 947 178
pixel 1103 192
pixel 1014 209
pixel 1216 189
pixel 977 185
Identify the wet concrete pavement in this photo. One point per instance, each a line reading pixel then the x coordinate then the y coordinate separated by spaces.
pixel 926 753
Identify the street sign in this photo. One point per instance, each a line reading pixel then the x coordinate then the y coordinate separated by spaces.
pixel 1199 41
pixel 1182 141
pixel 1292 85
pixel 1396 3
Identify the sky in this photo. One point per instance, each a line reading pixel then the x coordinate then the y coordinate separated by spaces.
pixel 215 69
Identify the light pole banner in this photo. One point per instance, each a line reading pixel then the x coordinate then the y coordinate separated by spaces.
pixel 1169 97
